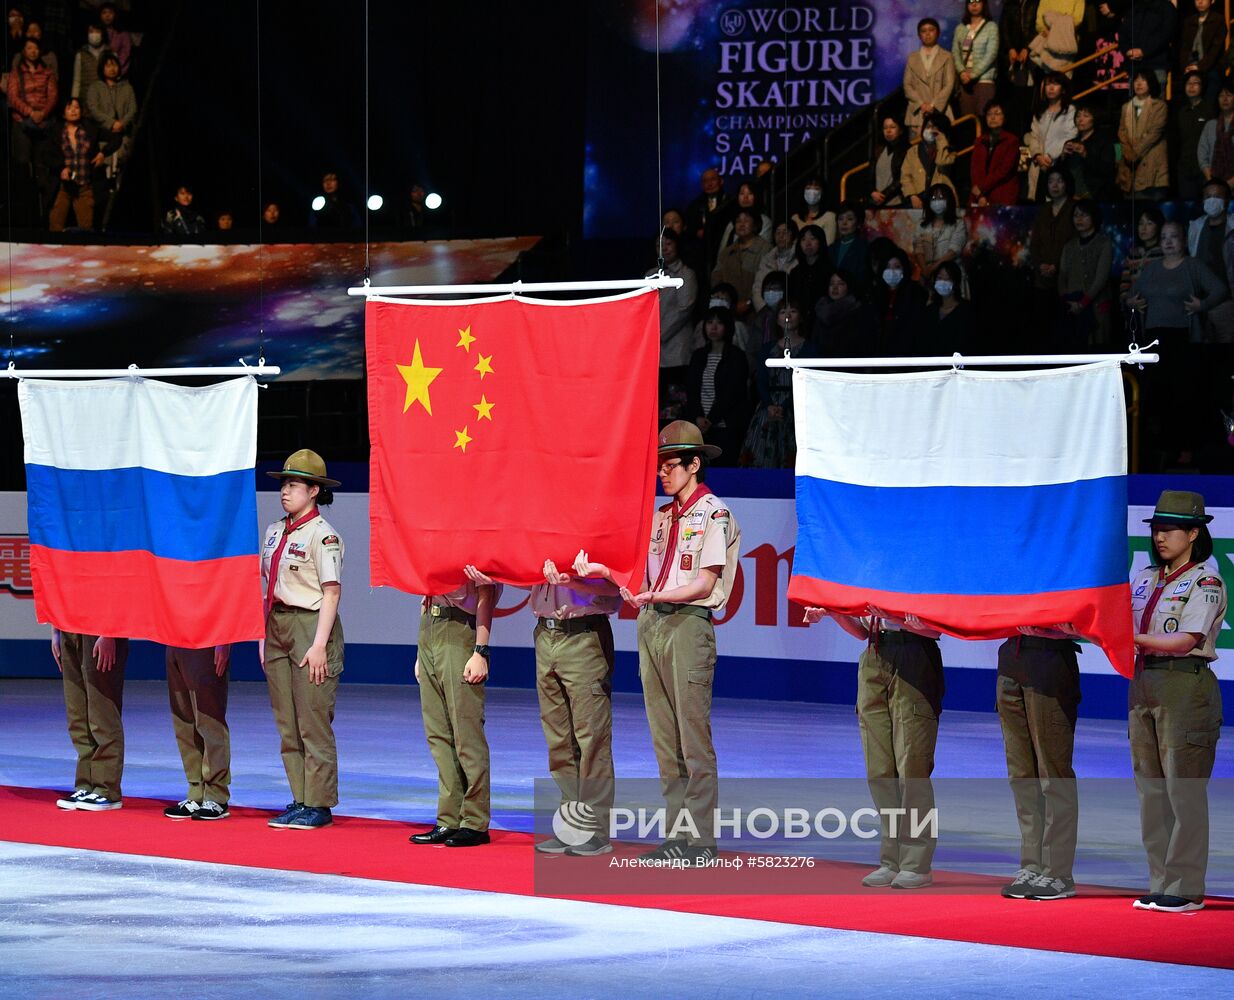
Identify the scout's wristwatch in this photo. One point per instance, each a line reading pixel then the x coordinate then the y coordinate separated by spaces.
pixel 482 650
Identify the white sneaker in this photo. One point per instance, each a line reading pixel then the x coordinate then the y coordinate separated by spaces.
pixel 912 880
pixel 73 800
pixel 94 802
pixel 881 877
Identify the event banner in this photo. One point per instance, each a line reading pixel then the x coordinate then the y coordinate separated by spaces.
pixel 759 621
pixel 741 81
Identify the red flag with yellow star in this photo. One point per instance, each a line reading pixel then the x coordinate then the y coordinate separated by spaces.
pixel 506 432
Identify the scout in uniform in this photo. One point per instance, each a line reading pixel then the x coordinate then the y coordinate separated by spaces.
pixel 302 654
pixel 1174 702
pixel 574 682
pixel 451 667
pixel 197 689
pixel 1038 700
pixel 899 700
pixel 691 564
pixel 92 668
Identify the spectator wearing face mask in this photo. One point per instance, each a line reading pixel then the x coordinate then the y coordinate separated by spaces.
pixel 898 304
pixel 949 325
pixel 928 162
pixel 722 296
pixel 941 236
pixel 771 441
pixel 781 257
pixel 813 213
pixel 86 61
pixel 1207 242
pixel 763 329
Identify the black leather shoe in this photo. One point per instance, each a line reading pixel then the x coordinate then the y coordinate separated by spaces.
pixel 435 836
pixel 467 838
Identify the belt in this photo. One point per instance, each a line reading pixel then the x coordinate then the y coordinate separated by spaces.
pixel 681 609
pixel 572 626
pixel 278 606
pixel 1180 664
pixel 1039 642
pixel 888 638
pixel 451 613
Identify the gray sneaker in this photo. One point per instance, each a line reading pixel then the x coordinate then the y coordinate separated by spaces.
pixel 591 848
pixel 552 846
pixel 880 878
pixel 912 880
pixel 1019 886
pixel 1048 887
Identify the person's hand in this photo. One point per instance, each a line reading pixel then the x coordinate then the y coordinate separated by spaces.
pixel 913 622
pixel 983 202
pixel 1104 10
pixel 37 117
pixel 815 615
pixel 1074 308
pixel 1190 68
pixel 55 648
pixel 104 654
pixel 1192 305
pixel 974 191
pixel 1047 270
pixel 478 578
pixel 261 655
pixel 476 671
pixel 553 575
pixel 1135 54
pixel 927 109
pixel 64 174
pixel 98 160
pixel 117 126
pixel 703 424
pixel 638 600
pixel 1137 302
pixel 315 660
pixel 416 670
pixel 915 201
pixel 966 78
pixel 878 197
pixel 886 616
pixel 222 656
pixel 775 412
pixel 584 567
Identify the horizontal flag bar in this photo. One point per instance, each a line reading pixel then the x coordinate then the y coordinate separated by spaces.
pixel 170 516
pixel 958 361
pixel 136 372
pixel 520 287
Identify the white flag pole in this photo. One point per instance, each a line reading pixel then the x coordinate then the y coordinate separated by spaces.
pixel 242 369
pixel 1134 357
pixel 519 287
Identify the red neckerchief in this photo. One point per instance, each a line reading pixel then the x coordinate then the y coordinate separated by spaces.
pixel 288 528
pixel 1147 616
pixel 678 513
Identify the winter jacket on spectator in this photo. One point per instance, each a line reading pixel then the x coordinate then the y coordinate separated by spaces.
pixel 984 54
pixel 676 305
pixel 1145 163
pixel 1092 172
pixel 1050 233
pixel 1217 129
pixel 106 103
pixel 1148 25
pixel 1212 40
pixel 32 88
pixel 918 174
pixel 933 86
pixel 995 168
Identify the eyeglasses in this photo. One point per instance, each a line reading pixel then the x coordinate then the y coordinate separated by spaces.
pixel 667 467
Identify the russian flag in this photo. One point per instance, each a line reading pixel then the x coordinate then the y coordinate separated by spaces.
pixel 979 501
pixel 142 509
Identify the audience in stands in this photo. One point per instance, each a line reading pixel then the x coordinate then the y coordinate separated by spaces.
pixel 1194 111
pixel 81 159
pixel 813 213
pixel 898 305
pixel 224 222
pixel 994 170
pixel 975 51
pixel 335 213
pixel 1145 248
pixel 707 215
pixel 1089 156
pixel 112 106
pixel 35 30
pixel 182 221
pixel 781 257
pixel 1201 45
pixel 929 78
pixel 941 235
pixel 676 307
pixel 770 442
pixel 747 197
pixel 928 162
pixel 885 181
pixel 1175 292
pixel 86 61
pixel 1017 27
pixel 1084 281
pixel 1145 167
pixel 1058 21
pixel 738 262
pixel 1207 242
pixel 764 327
pixel 850 250
pixel 270 215
pixel 33 95
pixel 1053 228
pixel 118 40
pixel 414 217
pixel 1053 126
pixel 717 387
pixel 841 318
pixel 1145 35
pixel 807 281
pixel 1215 153
pixel 949 322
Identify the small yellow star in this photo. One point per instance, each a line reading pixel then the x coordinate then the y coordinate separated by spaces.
pixel 465 340
pixel 462 439
pixel 418 378
pixel 484 365
pixel 484 408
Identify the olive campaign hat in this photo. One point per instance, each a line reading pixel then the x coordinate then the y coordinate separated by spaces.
pixel 307 465
pixel 1181 507
pixel 681 435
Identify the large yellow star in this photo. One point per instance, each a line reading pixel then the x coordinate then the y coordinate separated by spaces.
pixel 418 379
pixel 484 408
pixel 465 340
pixel 462 439
pixel 484 366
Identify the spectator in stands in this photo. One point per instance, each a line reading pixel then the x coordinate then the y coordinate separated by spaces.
pixel 688 248
pixel 1192 114
pixel 739 261
pixel 676 306
pixel 1145 167
pixel 118 40
pixel 35 30
pixel 812 212
pixel 16 28
pixel 224 222
pixel 941 236
pixel 781 257
pixel 270 214
pixel 81 159
pixel 1053 228
pixel 1145 248
pixel 995 166
pixel 32 95
pixel 949 321
pixel 747 198
pixel 842 321
pixel 1201 45
pixel 674 220
pixel 850 250
pixel 764 328
pixel 1084 280
pixel 716 391
pixel 1215 152
pixel 1089 157
pixel 1175 292
pixel 1053 126
pixel 807 282
pixel 707 215
pixel 1057 23
pixel 1206 242
pixel 86 61
pixel 771 440
pixel 929 77
pixel 335 212
pixel 928 162
pixel 975 51
pixel 1144 37
pixel 885 186
pixel 415 217
pixel 1017 27
pixel 182 220
pixel 112 106
pixel 898 304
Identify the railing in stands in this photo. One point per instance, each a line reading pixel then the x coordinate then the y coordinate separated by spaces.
pixel 1116 78
pixel 1113 46
pixel 866 166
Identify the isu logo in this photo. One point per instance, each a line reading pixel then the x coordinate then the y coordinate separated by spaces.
pixel 15 566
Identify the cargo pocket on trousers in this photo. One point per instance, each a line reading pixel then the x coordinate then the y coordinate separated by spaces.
pixel 1206 738
pixel 701 675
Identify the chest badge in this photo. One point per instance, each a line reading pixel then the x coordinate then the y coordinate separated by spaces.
pixel 687 561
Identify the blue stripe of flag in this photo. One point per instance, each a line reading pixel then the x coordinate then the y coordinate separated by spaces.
pixel 191 518
pixel 963 539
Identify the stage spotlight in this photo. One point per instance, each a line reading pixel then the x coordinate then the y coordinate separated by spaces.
pixel 432 201
pixel 319 203
pixel 375 201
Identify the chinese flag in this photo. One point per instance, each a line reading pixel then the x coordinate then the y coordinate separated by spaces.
pixel 508 432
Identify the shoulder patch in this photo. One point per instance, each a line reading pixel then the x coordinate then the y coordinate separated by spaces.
pixel 719 513
pixel 330 540
pixel 1210 581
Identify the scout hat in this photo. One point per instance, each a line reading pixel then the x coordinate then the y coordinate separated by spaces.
pixel 681 435
pixel 307 465
pixel 1180 507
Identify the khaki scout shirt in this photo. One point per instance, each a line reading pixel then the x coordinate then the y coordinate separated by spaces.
pixel 704 534
pixel 1193 601
pixel 313 556
pixel 466 598
pixel 562 601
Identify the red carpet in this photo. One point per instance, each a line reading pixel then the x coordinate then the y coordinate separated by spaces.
pixel 962 908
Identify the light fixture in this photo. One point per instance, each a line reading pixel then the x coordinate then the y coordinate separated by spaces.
pixel 432 201
pixel 319 203
pixel 375 201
